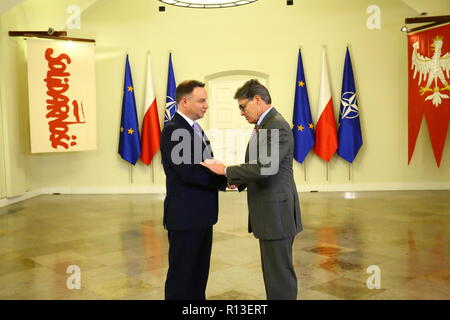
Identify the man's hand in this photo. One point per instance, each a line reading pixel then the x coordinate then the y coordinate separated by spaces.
pixel 217 168
pixel 231 186
pixel 212 161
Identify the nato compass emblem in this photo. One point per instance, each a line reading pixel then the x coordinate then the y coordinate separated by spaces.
pixel 349 108
pixel 171 108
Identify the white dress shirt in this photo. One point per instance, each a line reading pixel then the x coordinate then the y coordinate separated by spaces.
pixel 189 120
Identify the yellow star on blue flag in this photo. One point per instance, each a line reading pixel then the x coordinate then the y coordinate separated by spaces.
pixel 303 139
pixel 129 141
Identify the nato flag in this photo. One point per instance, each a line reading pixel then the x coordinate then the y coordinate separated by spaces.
pixel 303 127
pixel 129 143
pixel 171 103
pixel 350 138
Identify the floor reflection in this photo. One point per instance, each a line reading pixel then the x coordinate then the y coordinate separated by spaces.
pixel 121 247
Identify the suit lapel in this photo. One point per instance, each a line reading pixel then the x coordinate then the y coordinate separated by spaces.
pixel 182 122
pixel 268 116
pixel 255 135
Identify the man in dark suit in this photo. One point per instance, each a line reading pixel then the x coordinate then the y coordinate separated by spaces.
pixel 273 204
pixel 191 203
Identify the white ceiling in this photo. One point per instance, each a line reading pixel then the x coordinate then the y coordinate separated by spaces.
pixel 5 5
pixel 432 7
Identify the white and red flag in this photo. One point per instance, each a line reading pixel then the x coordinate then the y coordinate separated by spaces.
pixel 151 132
pixel 326 133
pixel 429 87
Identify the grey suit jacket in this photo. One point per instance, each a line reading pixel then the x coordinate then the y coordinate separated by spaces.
pixel 273 204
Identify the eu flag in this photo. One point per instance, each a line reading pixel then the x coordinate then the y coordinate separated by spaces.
pixel 129 143
pixel 171 103
pixel 350 138
pixel 303 127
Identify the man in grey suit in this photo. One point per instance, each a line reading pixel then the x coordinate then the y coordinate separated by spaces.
pixel 273 204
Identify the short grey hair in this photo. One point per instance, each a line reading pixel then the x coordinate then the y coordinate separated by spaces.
pixel 252 88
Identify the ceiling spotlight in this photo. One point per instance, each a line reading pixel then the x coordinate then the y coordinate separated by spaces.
pixel 404 29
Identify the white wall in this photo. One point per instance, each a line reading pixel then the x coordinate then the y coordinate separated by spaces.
pixel 262 37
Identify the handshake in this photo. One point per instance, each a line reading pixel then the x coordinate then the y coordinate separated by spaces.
pixel 217 167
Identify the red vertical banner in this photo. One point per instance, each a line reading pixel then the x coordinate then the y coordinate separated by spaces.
pixel 429 87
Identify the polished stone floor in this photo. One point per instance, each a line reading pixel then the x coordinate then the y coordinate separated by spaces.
pixel 120 246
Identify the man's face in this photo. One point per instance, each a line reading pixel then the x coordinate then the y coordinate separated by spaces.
pixel 249 108
pixel 197 103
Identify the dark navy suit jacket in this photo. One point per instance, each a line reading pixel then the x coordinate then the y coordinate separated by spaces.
pixel 192 190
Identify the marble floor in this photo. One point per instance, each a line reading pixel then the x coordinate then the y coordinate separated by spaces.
pixel 120 247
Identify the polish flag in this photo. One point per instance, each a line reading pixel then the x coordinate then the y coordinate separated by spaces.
pixel 151 132
pixel 326 133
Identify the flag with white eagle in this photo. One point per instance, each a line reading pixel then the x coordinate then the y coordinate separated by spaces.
pixel 434 70
pixel 429 87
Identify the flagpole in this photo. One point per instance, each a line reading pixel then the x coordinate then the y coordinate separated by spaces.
pixel 148 59
pixel 153 172
pixel 131 173
pixel 327 171
pixel 304 169
pixel 349 167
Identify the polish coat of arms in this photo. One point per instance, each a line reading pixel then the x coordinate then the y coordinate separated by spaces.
pixel 434 70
